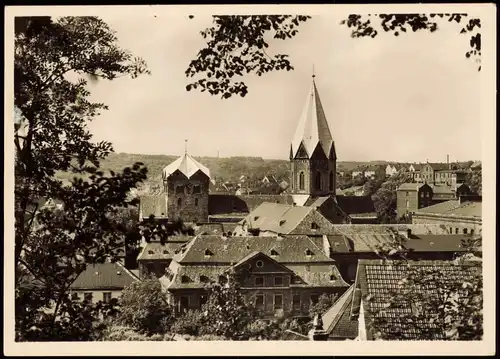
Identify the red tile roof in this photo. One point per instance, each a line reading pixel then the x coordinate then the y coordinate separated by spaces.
pixel 104 276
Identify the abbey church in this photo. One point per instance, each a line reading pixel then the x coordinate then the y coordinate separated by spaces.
pixel 313 157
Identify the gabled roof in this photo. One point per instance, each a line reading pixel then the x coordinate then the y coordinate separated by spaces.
pixel 337 320
pixel 187 165
pixel 278 218
pixel 380 279
pixel 455 208
pixel 104 276
pixel 312 129
pixel 158 251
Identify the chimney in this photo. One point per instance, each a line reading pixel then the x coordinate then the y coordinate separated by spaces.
pixel 448 161
pixel 317 333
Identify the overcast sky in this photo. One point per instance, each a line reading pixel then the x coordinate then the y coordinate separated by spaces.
pixel 409 98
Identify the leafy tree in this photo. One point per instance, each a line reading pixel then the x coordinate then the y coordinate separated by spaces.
pixel 236 45
pixel 364 26
pixel 53 59
pixel 189 323
pixel 144 307
pixel 475 181
pixel 359 180
pixel 325 301
pixel 371 186
pixel 226 312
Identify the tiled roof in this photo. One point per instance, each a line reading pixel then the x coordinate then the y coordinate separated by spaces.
pixel 476 164
pixel 439 166
pixel 455 208
pixel 380 280
pixel 278 218
pixel 187 165
pixel 291 249
pixel 340 244
pixel 190 276
pixel 315 201
pixel 312 130
pixel 356 204
pixel 153 205
pixel 337 320
pixel 104 276
pixel 158 251
pixel 416 229
pixel 291 335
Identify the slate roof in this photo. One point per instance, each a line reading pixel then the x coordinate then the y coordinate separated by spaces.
pixel 455 208
pixel 337 320
pixel 380 280
pixel 153 205
pixel 227 250
pixel 278 218
pixel 187 165
pixel 158 251
pixel 370 240
pixel 104 276
pixel 312 129
pixel 214 228
pixel 228 204
pixel 353 205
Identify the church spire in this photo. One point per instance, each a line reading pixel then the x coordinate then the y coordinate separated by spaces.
pixel 313 128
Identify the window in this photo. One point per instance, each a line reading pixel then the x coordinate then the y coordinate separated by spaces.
pixel 278 281
pixel 278 301
pixel 208 253
pixel 259 264
pixel 309 252
pixel 179 202
pixel 204 279
pixel 314 298
pixel 179 189
pixel 318 180
pixel 471 231
pixel 196 189
pixel 465 230
pixel 75 296
pixel 456 230
pixel 301 180
pixel 185 279
pixel 88 297
pixel 196 201
pixel 314 225
pixel 203 299
pixel 331 182
pixel 106 297
pixel 296 301
pixel 259 300
pixel 308 268
pixel 332 277
pixel 451 230
pixel 282 222
pixel 183 303
pixel 259 281
pixel 273 253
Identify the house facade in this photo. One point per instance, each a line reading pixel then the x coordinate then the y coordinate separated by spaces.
pixel 280 275
pixel 411 197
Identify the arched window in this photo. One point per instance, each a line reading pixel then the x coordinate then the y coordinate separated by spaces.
pixel 301 180
pixel 318 180
pixel 179 202
pixel 196 201
pixel 331 180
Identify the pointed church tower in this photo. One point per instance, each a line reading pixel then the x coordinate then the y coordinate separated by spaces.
pixel 312 151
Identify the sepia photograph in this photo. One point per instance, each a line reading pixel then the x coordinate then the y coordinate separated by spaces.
pixel 281 174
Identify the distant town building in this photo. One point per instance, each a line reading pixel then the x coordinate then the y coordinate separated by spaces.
pixel 459 216
pixel 102 282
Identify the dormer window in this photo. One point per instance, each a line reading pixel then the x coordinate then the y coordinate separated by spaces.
pixel 273 253
pixel 255 218
pixel 282 222
pixel 332 277
pixel 309 253
pixel 184 279
pixel 314 225
pixel 208 253
pixel 151 252
pixel 204 279
pixel 165 251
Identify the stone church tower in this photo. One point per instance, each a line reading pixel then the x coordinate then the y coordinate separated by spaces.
pixel 186 184
pixel 312 152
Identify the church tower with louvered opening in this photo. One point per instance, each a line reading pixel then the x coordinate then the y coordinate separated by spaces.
pixel 312 151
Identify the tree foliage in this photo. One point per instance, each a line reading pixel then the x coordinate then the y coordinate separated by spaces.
pixel 325 301
pixel 236 45
pixel 475 181
pixel 144 307
pixel 385 198
pixel 365 26
pixel 52 60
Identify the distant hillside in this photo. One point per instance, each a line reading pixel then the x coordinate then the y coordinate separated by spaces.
pixel 225 168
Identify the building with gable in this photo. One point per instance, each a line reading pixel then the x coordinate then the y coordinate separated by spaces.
pixel 280 275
